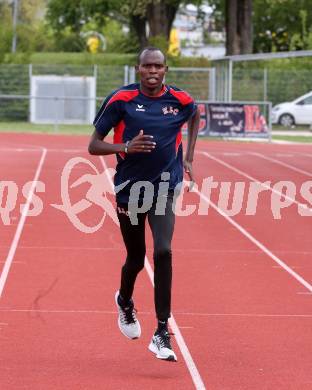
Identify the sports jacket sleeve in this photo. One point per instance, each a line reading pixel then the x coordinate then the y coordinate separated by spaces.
pixel 109 115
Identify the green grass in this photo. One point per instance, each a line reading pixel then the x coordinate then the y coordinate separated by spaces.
pixel 71 58
pixel 85 58
pixel 295 128
pixel 295 138
pixel 26 127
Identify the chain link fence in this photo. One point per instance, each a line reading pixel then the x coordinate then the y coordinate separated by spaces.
pixel 16 95
pixel 274 77
pixel 270 84
pixel 246 83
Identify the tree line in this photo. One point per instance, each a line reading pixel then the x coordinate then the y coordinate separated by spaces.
pixel 250 25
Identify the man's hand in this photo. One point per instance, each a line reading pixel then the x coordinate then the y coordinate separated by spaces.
pixel 141 144
pixel 188 168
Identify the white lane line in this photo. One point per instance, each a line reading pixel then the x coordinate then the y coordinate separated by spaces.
pixel 20 150
pixel 246 315
pixel 107 248
pixel 68 150
pixel 283 155
pixel 282 163
pixel 180 313
pixel 197 380
pixel 58 150
pixel 261 246
pixel 20 226
pixel 306 155
pixel 232 168
pixel 69 248
pixel 304 293
pixel 65 311
pixel 15 262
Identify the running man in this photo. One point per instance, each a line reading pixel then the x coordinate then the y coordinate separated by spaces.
pixel 147 118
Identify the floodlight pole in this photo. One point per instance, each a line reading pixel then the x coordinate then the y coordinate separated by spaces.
pixel 15 13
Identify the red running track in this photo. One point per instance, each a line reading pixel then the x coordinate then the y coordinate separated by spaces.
pixel 245 320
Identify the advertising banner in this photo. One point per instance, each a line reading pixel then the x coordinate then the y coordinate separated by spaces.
pixel 236 119
pixel 203 122
pixel 232 120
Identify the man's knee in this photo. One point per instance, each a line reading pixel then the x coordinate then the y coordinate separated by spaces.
pixel 135 261
pixel 162 254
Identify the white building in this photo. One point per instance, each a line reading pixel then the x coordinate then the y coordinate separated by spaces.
pixel 191 29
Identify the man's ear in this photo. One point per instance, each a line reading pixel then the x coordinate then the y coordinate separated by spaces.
pixel 166 69
pixel 137 68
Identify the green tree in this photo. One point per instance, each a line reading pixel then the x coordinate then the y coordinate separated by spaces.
pixel 31 32
pixel 236 17
pixel 277 25
pixel 302 40
pixel 29 11
pixel 5 29
pixel 238 26
pixel 75 13
pixel 280 25
pixel 158 15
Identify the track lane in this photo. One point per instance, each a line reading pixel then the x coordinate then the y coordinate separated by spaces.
pixel 231 353
pixel 284 237
pixel 248 288
pixel 60 305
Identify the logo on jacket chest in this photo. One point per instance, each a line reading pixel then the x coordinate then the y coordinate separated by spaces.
pixel 170 110
pixel 140 107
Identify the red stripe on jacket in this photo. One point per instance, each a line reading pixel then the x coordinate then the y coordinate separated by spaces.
pixel 118 135
pixel 183 97
pixel 123 95
pixel 178 141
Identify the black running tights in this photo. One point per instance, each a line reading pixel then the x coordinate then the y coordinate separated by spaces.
pixel 162 227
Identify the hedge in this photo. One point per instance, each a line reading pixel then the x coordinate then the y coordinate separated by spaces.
pixel 99 59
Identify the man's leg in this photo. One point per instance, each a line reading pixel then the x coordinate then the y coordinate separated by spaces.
pixel 134 239
pixel 162 227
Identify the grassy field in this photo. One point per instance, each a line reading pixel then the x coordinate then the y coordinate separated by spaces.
pixel 26 127
pixel 295 138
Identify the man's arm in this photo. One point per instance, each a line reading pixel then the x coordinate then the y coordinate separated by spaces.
pixel 139 144
pixel 193 126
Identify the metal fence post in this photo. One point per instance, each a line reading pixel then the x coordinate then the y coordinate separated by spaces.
pixel 56 128
pixel 132 75
pixel 30 71
pixel 270 122
pixel 230 80
pixel 265 84
pixel 15 20
pixel 212 84
pixel 126 74
pixel 95 75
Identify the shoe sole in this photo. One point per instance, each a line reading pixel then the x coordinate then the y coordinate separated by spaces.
pixel 169 358
pixel 119 324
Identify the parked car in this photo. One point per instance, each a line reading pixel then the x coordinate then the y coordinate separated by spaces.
pixel 297 112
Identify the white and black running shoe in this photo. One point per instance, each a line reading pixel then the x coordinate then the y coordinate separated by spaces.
pixel 161 346
pixel 127 321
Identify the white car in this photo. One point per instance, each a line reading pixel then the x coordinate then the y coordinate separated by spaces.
pixel 297 112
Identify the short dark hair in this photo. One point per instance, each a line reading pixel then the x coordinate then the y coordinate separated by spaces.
pixel 149 48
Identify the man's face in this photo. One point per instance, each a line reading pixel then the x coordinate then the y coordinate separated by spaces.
pixel 152 68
